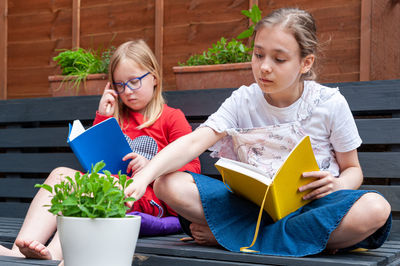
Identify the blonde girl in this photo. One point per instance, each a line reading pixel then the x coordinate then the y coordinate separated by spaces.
pixel 134 97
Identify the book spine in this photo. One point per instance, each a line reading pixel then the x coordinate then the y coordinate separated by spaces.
pixel 78 155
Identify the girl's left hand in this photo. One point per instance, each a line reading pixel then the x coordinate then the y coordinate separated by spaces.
pixel 137 162
pixel 325 184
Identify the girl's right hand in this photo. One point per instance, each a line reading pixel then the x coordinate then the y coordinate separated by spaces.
pixel 137 162
pixel 136 190
pixel 108 101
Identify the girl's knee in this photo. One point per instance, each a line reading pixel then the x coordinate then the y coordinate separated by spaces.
pixel 168 186
pixel 58 174
pixel 162 186
pixel 376 209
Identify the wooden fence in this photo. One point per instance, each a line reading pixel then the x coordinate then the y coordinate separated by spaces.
pixel 361 39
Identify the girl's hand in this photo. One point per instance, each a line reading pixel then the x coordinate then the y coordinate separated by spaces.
pixel 136 190
pixel 325 184
pixel 108 101
pixel 136 164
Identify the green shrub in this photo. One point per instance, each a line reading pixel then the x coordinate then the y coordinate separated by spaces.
pixel 254 14
pixel 89 195
pixel 222 52
pixel 80 63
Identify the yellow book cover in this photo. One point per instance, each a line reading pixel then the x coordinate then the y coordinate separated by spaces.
pixel 283 196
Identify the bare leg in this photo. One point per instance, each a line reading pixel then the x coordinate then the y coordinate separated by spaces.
pixel 39 224
pixel 367 215
pixel 180 192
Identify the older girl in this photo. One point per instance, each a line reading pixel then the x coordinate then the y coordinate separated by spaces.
pixel 284 104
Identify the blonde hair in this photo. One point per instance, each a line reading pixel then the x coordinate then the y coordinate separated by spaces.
pixel 302 25
pixel 139 52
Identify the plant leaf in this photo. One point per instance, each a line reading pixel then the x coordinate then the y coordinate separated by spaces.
pixel 45 186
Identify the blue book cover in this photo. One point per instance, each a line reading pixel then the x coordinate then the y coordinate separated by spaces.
pixel 101 142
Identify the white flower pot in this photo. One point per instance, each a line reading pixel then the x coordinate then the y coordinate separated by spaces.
pixel 99 241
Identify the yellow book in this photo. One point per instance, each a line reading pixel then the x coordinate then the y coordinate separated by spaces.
pixel 283 196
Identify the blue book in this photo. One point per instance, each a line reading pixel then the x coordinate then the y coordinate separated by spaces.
pixel 102 142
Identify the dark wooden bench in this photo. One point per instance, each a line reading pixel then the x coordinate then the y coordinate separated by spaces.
pixel 33 142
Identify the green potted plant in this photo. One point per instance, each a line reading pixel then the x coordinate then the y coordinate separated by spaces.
pixel 84 72
pixel 224 65
pixel 91 219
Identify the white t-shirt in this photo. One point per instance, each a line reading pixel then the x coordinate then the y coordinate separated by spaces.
pixel 323 113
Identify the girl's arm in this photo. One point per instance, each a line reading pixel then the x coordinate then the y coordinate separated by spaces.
pixel 350 177
pixel 172 157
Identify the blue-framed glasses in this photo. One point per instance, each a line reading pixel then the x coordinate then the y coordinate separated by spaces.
pixel 133 84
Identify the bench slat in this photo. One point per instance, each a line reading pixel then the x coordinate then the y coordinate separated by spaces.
pixel 197 103
pixel 382 95
pixel 380 164
pixel 36 162
pixel 33 137
pixel 13 209
pixel 21 187
pixel 48 109
pixel 15 261
pixel 379 131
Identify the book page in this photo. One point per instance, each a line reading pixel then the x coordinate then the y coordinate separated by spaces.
pixel 76 130
pixel 245 169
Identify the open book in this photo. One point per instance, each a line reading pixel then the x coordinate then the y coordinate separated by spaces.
pixel 283 196
pixel 101 142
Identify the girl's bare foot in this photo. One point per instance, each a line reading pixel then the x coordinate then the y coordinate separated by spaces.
pixel 203 235
pixel 330 251
pixel 9 252
pixel 33 249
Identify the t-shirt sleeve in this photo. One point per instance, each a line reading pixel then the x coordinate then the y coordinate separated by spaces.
pixel 226 116
pixel 344 134
pixel 178 126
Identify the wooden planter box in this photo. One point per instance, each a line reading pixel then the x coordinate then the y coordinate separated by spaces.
pixel 213 76
pixel 93 85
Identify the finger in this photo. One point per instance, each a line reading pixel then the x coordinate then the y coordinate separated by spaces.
pixel 314 194
pixel 127 195
pixel 129 204
pixel 137 166
pixel 315 174
pixel 137 169
pixel 109 90
pixel 131 155
pixel 107 87
pixel 324 182
pixel 313 185
pixel 129 168
pixel 318 196
pixel 132 164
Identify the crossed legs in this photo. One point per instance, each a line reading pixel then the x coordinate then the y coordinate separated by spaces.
pixel 179 191
pixel 39 225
